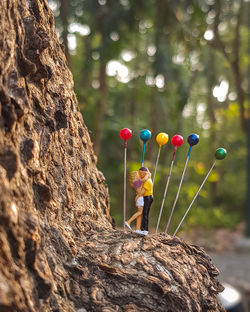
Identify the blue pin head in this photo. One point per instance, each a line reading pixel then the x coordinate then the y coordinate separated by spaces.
pixel 145 135
pixel 193 139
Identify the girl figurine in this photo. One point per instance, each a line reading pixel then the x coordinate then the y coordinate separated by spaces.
pixel 137 183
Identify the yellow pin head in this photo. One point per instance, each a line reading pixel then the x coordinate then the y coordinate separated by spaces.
pixel 162 138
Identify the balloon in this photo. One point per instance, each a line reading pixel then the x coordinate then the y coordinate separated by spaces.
pixel 145 135
pixel 220 153
pixel 125 134
pixel 193 139
pixel 177 140
pixel 162 138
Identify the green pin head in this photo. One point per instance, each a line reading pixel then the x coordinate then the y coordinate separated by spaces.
pixel 220 153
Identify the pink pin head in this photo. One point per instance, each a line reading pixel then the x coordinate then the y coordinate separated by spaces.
pixel 126 134
pixel 177 140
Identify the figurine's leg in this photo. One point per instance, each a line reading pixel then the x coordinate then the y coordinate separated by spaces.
pixel 136 215
pixel 147 204
pixel 138 219
pixel 143 217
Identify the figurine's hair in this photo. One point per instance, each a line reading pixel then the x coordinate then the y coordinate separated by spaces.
pixel 133 176
pixel 144 169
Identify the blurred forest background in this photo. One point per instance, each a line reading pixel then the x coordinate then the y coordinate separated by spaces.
pixel 168 66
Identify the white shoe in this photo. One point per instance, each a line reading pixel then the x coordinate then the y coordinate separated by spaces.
pixel 139 232
pixel 128 226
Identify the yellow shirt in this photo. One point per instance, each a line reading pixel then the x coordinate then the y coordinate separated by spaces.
pixel 148 186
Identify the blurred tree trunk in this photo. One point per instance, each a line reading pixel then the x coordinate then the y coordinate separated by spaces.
pixel 133 108
pixel 86 72
pixel 153 120
pixel 234 62
pixel 212 118
pixel 64 16
pixel 88 62
pixel 133 113
pixel 101 103
pixel 248 133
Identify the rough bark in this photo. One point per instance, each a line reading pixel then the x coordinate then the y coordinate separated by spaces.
pixel 59 251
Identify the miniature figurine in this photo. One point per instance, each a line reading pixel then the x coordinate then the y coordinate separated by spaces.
pixel 137 183
pixel 147 197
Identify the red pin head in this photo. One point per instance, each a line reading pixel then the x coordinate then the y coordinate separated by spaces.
pixel 177 140
pixel 126 134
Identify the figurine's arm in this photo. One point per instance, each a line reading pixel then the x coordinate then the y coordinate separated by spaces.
pixel 147 176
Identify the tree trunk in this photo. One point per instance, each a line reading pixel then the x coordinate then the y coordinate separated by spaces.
pixel 64 11
pixel 248 137
pixel 101 105
pixel 238 78
pixel 212 118
pixel 153 119
pixel 59 251
pixel 240 94
pixel 233 61
pixel 88 63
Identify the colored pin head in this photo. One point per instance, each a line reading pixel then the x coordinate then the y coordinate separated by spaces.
pixel 177 140
pixel 125 134
pixel 145 135
pixel 220 153
pixel 193 139
pixel 162 138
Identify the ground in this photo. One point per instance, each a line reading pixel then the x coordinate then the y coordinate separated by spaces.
pixel 221 245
